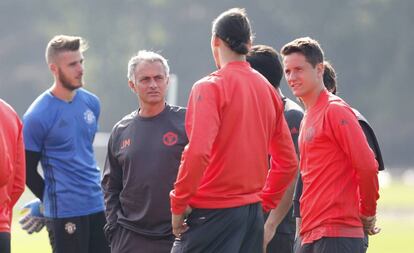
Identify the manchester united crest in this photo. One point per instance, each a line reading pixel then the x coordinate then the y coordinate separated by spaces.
pixel 70 228
pixel 170 138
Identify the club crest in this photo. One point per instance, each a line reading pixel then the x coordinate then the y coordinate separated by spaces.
pixel 89 117
pixel 170 138
pixel 70 228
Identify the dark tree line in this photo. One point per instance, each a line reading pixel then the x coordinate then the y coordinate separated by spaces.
pixel 369 43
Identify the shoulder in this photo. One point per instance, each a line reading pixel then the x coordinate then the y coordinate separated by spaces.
pixel 339 113
pixel 6 111
pixel 41 109
pixel 208 81
pixel 90 99
pixel 337 106
pixel 6 108
pixel 125 121
pixel 88 96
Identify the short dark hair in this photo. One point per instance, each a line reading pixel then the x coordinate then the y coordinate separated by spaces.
pixel 266 61
pixel 62 43
pixel 329 77
pixel 306 46
pixel 233 27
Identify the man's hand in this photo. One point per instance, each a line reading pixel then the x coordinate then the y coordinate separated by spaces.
pixel 269 233
pixel 33 219
pixel 369 225
pixel 178 222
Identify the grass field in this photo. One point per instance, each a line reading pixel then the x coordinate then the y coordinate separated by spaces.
pixel 395 217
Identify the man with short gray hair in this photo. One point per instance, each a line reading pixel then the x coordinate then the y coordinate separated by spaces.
pixel 144 153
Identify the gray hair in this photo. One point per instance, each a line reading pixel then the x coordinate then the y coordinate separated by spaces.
pixel 145 56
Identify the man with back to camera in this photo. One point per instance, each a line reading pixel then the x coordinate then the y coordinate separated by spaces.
pixel 265 59
pixel 329 80
pixel 12 169
pixel 339 170
pixel 234 121
pixel 59 129
pixel 144 153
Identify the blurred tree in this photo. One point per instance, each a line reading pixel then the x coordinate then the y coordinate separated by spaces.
pixel 368 41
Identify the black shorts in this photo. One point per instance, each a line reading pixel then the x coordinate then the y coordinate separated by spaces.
pixel 238 229
pixel 334 244
pixel 126 241
pixel 82 234
pixel 281 243
pixel 4 242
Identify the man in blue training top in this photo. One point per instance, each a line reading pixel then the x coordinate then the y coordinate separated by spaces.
pixel 59 129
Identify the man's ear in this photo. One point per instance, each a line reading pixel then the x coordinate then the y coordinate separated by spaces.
pixel 53 68
pixel 249 44
pixel 320 67
pixel 216 41
pixel 131 86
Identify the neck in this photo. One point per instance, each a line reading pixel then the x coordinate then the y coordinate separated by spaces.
pixel 147 111
pixel 312 98
pixel 226 56
pixel 62 93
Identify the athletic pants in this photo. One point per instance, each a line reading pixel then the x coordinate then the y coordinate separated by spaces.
pixel 334 245
pixel 298 242
pixel 281 243
pixel 128 241
pixel 229 230
pixel 82 234
pixel 4 242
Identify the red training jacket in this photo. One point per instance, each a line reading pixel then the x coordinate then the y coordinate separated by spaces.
pixel 12 163
pixel 234 120
pixel 339 171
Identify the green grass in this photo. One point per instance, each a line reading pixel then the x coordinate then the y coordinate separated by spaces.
pixel 395 217
pixel 395 237
pixel 23 242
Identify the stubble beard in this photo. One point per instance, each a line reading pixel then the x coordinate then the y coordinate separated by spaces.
pixel 67 84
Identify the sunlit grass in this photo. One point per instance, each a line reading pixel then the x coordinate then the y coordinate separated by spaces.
pixel 395 217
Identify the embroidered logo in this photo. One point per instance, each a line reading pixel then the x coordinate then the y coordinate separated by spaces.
pixel 310 132
pixel 89 117
pixel 70 228
pixel 125 143
pixel 170 138
pixel 344 122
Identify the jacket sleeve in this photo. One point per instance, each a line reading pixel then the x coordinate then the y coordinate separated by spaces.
pixel 5 163
pixel 350 137
pixel 284 162
pixel 19 171
pixel 111 185
pixel 202 125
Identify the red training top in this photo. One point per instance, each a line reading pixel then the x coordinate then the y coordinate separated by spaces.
pixel 339 171
pixel 12 163
pixel 234 120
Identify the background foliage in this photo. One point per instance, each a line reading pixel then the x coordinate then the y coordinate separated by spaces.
pixel 368 41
